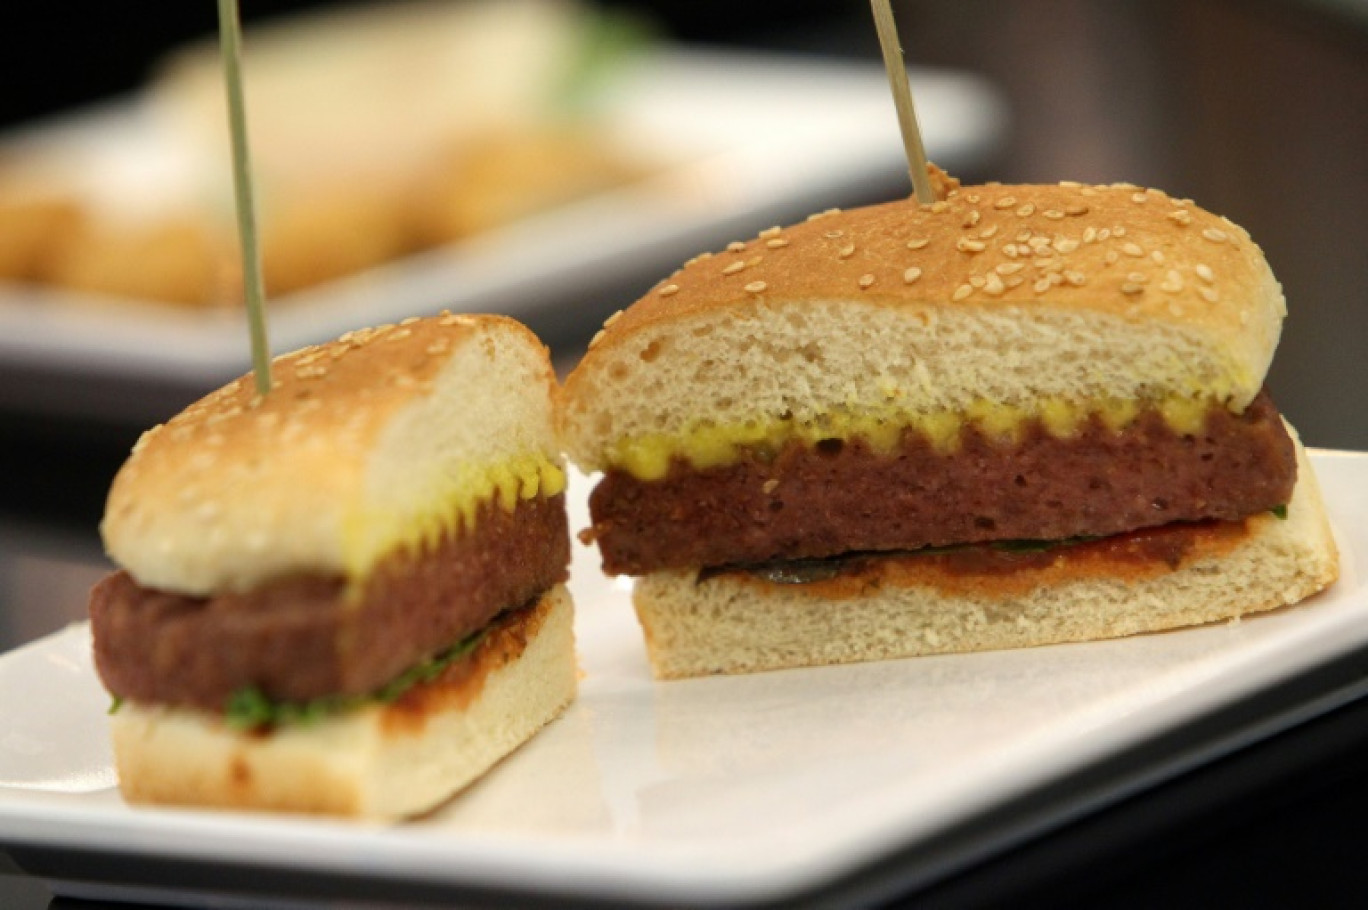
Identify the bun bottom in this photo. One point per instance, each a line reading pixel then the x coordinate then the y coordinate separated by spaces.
pixel 738 623
pixel 382 761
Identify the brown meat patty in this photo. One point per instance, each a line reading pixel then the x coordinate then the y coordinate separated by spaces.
pixel 301 638
pixel 837 497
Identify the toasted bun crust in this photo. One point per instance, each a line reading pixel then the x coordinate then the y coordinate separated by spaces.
pixel 1002 295
pixel 362 441
pixel 739 624
pixel 377 762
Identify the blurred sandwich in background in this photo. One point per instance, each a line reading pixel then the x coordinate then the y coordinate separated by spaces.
pixel 375 131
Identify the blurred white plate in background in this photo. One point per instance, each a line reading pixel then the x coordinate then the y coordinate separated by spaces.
pixel 757 139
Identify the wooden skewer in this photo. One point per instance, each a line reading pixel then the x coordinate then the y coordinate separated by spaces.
pixel 230 45
pixel 902 100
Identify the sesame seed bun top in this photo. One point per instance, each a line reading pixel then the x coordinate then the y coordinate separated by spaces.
pixel 1034 268
pixel 1120 249
pixel 357 437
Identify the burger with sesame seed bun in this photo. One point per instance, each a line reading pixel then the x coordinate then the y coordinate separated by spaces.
pixel 1015 416
pixel 346 596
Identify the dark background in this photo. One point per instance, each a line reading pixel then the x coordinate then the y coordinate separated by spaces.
pixel 1257 109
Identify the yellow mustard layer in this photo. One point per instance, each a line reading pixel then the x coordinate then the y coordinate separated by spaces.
pixel 454 502
pixel 709 445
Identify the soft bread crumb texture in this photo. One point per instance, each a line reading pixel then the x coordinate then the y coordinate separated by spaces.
pixel 999 296
pixel 737 624
pixel 362 763
pixel 380 439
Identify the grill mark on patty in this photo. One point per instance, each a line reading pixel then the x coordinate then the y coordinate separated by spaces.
pixel 840 497
pixel 302 638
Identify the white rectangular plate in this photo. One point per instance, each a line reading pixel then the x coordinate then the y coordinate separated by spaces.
pixel 720 789
pixel 751 139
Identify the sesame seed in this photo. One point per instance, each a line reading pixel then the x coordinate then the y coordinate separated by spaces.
pixel 1133 249
pixel 438 347
pixel 1090 235
pixel 965 245
pixel 1023 235
pixel 1011 251
pixel 598 336
pixel 1026 210
pixel 449 319
pixel 911 275
pixel 399 334
pixel 988 231
pixel 410 321
pixel 1054 214
pixel 994 286
pixel 962 292
pixel 736 246
pixel 1139 197
pixel 1066 244
pixel 1073 211
pixel 972 218
pixel 918 244
pixel 1009 268
pixel 1013 281
pixel 832 235
pixel 1041 286
pixel 672 289
pixel 756 287
pixel 1119 231
pixel 1205 273
pixel 1173 282
pixel 1180 216
pixel 866 280
pixel 1157 256
pixel 1130 287
pixel 1005 202
pixel 846 251
pixel 776 243
pixel 977 281
pixel 1215 235
pixel 770 232
pixel 1103 234
pixel 939 206
pixel 973 198
pixel 734 267
pixel 1209 294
